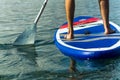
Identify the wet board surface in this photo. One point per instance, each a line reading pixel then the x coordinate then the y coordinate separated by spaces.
pixel 89 39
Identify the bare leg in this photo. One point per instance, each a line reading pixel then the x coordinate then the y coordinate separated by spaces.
pixel 104 8
pixel 70 7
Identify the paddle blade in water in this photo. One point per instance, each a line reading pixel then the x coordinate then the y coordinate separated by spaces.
pixel 27 37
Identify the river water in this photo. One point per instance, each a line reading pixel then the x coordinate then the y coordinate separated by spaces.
pixel 43 61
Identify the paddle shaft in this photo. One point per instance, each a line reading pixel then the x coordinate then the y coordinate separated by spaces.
pixel 28 36
pixel 40 12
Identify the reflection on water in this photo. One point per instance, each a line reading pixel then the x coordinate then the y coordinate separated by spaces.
pixel 17 60
pixel 43 61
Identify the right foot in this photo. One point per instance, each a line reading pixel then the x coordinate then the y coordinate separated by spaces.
pixel 69 36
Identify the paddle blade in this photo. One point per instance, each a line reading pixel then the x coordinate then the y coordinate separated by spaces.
pixel 27 37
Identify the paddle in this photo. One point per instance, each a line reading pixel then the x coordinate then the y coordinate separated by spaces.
pixel 28 36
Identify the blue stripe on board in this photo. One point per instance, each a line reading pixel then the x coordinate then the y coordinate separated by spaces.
pixel 94 44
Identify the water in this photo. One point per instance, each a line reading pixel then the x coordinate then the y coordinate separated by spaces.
pixel 43 61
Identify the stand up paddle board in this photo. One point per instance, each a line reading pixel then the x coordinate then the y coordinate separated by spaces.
pixel 89 41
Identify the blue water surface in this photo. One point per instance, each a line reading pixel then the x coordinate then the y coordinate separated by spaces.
pixel 43 61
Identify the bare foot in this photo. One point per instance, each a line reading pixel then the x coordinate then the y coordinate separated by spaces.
pixel 69 36
pixel 110 32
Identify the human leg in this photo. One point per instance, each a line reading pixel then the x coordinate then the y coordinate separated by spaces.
pixel 104 9
pixel 70 7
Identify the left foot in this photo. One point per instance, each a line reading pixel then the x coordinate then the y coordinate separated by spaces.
pixel 110 32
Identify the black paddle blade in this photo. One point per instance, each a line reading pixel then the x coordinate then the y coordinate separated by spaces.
pixel 27 37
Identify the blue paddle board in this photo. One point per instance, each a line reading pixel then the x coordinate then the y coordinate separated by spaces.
pixel 89 41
